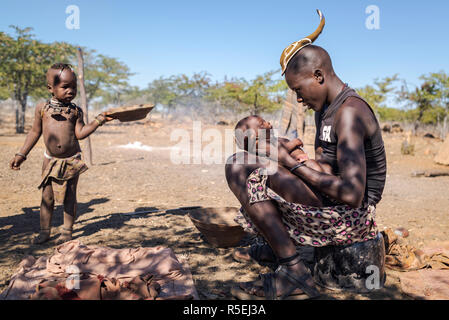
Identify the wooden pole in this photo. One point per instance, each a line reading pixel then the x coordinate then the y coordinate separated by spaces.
pixel 292 116
pixel 300 116
pixel 79 54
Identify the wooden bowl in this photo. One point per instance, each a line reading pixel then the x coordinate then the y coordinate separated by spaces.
pixel 217 225
pixel 130 113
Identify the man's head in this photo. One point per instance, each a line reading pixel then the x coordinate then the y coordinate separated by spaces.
pixel 61 82
pixel 309 73
pixel 248 129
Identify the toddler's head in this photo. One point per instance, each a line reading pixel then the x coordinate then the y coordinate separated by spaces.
pixel 61 82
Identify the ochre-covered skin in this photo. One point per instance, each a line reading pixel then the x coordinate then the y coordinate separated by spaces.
pixel 59 133
pixel 61 124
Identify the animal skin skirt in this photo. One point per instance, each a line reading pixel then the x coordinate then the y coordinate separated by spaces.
pixel 311 226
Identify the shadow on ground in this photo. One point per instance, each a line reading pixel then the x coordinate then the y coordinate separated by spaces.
pixel 17 230
pixel 214 270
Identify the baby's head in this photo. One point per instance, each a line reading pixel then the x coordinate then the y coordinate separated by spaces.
pixel 247 132
pixel 61 82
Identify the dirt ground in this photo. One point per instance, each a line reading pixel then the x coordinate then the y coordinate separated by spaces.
pixel 132 180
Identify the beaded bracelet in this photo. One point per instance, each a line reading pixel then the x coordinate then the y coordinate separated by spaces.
pixel 100 123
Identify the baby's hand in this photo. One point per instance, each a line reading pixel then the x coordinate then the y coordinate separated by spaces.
pixel 293 144
pixel 299 155
pixel 16 162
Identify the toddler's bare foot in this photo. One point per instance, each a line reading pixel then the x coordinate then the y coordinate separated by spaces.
pixel 66 235
pixel 44 236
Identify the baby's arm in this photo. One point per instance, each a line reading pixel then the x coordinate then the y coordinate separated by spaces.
pixel 82 130
pixel 291 145
pixel 30 141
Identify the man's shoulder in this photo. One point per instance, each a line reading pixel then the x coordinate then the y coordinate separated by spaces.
pixel 356 110
pixel 355 107
pixel 355 104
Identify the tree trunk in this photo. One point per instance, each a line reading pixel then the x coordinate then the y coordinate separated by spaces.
pixel 417 122
pixel 256 108
pixel 444 127
pixel 20 116
pixel 79 54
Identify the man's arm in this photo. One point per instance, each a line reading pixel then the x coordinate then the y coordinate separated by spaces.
pixel 349 187
pixel 30 140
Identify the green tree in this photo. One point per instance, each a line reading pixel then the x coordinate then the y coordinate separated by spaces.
pixel 194 87
pixel 105 77
pixel 262 94
pixel 422 98
pixel 440 82
pixel 161 92
pixel 24 62
pixel 377 95
pixel 4 94
pixel 226 95
pixel 371 95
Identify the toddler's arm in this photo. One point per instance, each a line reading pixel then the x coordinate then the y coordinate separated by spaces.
pixel 30 141
pixel 82 130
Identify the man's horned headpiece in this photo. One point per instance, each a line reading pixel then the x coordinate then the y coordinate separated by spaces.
pixel 292 49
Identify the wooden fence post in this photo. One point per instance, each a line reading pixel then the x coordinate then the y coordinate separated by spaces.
pixel 84 107
pixel 293 116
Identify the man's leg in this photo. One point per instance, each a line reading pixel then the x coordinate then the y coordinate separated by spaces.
pixel 70 204
pixel 267 217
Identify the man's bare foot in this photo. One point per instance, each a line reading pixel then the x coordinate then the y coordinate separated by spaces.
pixel 260 253
pixel 283 284
pixel 291 280
pixel 42 237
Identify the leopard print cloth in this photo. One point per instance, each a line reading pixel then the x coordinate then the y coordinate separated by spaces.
pixel 312 226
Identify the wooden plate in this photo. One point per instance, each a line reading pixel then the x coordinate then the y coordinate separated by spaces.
pixel 130 113
pixel 217 225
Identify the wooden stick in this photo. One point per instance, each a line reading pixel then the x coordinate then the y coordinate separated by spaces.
pixel 84 107
pixel 430 173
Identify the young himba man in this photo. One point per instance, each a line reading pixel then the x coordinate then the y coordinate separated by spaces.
pixel 340 207
pixel 61 124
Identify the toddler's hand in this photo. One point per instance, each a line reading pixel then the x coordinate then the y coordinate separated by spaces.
pixel 16 162
pixel 105 115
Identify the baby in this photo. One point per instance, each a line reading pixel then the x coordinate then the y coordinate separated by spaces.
pixel 249 141
pixel 61 124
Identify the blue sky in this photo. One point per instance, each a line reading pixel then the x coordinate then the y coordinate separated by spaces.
pixel 245 38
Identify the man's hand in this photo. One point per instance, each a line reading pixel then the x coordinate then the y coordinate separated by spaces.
pixel 283 154
pixel 16 162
